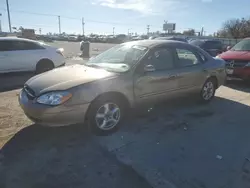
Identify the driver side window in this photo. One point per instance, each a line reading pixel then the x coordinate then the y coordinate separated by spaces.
pixel 186 58
pixel 162 59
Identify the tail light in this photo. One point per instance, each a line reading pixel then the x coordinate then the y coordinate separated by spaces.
pixel 60 51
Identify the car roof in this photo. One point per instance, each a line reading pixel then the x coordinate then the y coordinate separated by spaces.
pixel 15 39
pixel 154 43
pixel 207 40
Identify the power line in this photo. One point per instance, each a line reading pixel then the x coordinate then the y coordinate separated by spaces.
pixel 64 16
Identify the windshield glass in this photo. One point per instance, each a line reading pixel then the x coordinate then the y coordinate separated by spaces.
pixel 119 58
pixel 243 45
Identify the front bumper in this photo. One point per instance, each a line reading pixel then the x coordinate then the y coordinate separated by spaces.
pixel 52 115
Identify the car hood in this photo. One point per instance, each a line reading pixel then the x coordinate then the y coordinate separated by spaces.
pixel 65 78
pixel 241 55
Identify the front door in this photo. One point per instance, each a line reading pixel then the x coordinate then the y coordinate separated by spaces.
pixel 157 78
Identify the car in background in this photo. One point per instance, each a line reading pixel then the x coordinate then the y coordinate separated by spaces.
pixel 238 60
pixel 24 55
pixel 101 91
pixel 135 38
pixel 152 37
pixel 171 38
pixel 211 46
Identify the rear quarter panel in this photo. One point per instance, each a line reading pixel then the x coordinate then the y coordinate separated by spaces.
pixel 56 58
pixel 216 67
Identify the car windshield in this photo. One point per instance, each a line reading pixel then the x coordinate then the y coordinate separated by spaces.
pixel 119 58
pixel 243 45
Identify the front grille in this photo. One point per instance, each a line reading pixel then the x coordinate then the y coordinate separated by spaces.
pixel 236 63
pixel 30 93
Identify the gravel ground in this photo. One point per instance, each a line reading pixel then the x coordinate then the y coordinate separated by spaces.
pixel 72 49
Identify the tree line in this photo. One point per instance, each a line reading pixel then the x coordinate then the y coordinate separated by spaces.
pixel 233 28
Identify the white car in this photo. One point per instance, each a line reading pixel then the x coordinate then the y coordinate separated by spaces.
pixel 23 55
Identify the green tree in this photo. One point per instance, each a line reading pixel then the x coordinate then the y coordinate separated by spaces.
pixel 190 32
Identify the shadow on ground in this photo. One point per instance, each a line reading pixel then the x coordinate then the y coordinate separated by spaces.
pixel 13 81
pixel 188 144
pixel 182 139
pixel 62 157
pixel 239 85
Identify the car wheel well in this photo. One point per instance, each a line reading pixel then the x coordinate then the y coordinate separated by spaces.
pixel 215 81
pixel 44 60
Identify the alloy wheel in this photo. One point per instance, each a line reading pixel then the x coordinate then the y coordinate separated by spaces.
pixel 208 90
pixel 108 116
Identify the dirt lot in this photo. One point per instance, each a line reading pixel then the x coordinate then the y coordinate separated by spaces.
pixel 179 144
pixel 72 49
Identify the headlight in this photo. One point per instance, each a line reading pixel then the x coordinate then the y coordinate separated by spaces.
pixel 217 56
pixel 54 98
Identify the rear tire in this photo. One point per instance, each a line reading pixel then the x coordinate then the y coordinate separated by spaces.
pixel 105 115
pixel 44 66
pixel 208 90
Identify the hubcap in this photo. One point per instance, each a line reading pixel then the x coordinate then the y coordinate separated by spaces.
pixel 208 90
pixel 107 116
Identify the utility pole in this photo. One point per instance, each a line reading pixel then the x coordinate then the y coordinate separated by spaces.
pixel 8 10
pixel 59 23
pixel 148 28
pixel 202 30
pixel 0 23
pixel 40 31
pixel 83 24
pixel 129 31
pixel 113 31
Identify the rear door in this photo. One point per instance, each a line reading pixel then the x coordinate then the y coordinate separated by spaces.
pixel 18 56
pixel 191 73
pixel 27 55
pixel 4 63
pixel 8 56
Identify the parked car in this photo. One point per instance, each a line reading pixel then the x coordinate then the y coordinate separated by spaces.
pixel 171 38
pixel 102 90
pixel 23 55
pixel 211 46
pixel 238 60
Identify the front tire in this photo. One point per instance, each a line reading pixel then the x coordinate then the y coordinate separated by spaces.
pixel 105 115
pixel 208 90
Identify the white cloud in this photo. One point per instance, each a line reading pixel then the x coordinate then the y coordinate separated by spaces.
pixel 143 6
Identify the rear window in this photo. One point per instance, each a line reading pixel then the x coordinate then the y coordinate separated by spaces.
pixel 213 45
pixel 16 45
pixel 198 43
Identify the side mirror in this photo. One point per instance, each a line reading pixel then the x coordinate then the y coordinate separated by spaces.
pixel 149 68
pixel 229 47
